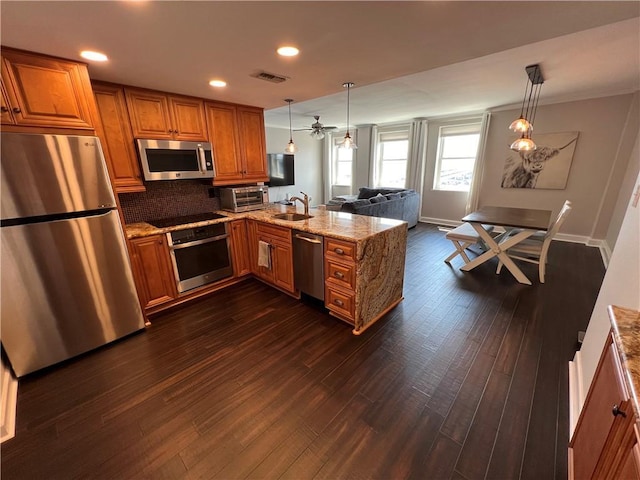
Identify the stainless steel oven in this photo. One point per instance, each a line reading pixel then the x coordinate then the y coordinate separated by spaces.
pixel 200 255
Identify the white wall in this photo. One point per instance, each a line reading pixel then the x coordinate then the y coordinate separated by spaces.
pixel 621 287
pixel 627 184
pixel 601 123
pixel 307 164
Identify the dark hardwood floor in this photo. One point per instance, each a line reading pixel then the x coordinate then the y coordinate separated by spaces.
pixel 466 379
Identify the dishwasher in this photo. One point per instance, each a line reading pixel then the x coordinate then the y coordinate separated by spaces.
pixel 308 263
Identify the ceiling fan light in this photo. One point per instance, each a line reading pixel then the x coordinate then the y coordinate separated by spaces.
pixel 521 125
pixel 523 144
pixel 317 134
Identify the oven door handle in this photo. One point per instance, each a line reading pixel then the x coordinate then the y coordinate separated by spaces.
pixel 197 242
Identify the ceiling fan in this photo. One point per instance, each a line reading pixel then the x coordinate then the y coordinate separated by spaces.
pixel 317 129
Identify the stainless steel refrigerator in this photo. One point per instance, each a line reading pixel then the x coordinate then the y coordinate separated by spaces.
pixel 67 285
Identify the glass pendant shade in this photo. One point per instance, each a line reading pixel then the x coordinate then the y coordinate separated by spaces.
pixel 524 124
pixel 523 144
pixel 348 142
pixel 291 147
pixel 521 125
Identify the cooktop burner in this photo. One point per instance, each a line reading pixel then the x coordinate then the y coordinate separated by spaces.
pixel 198 217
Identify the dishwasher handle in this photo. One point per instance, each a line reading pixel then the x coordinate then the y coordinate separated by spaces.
pixel 307 239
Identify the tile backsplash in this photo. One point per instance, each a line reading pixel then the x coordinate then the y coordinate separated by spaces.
pixel 170 198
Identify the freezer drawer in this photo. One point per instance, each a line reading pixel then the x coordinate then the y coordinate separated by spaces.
pixel 67 288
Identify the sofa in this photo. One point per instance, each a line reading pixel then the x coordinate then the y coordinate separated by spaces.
pixel 398 203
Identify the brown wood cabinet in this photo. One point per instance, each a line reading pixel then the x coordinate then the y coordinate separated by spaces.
pixel 152 270
pixel 240 248
pixel 340 278
pixel 239 147
pixel 117 138
pixel 604 444
pixel 281 253
pixel 6 115
pixel 158 115
pixel 44 91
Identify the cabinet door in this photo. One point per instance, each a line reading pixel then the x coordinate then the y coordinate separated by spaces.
pixel 47 92
pixel 153 271
pixel 597 425
pixel 117 141
pixel 188 119
pixel 5 111
pixel 149 114
pixel 223 134
pixel 282 258
pixel 265 273
pixel 240 248
pixel 252 138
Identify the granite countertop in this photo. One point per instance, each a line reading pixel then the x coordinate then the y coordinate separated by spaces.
pixel 626 334
pixel 340 225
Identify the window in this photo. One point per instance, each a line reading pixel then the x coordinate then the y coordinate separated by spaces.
pixel 391 158
pixel 343 164
pixel 457 151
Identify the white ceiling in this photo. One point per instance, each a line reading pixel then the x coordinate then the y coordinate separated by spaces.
pixel 407 59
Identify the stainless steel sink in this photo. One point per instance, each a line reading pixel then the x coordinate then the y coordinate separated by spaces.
pixel 294 217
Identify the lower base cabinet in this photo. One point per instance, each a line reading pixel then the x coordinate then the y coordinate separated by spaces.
pixel 340 278
pixel 277 241
pixel 604 444
pixel 240 248
pixel 152 270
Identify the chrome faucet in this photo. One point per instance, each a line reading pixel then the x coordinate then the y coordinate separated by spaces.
pixel 304 201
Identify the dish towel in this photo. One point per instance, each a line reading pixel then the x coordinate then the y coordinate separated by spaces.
pixel 264 254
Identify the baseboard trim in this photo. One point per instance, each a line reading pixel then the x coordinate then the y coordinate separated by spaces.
pixel 576 391
pixel 8 404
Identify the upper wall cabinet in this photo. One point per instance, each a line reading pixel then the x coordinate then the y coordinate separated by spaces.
pixel 117 139
pixel 45 91
pixel 156 115
pixel 238 139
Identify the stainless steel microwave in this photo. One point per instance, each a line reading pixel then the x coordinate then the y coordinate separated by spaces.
pixel 174 160
pixel 242 199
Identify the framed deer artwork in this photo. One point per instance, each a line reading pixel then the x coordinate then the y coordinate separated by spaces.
pixel 546 167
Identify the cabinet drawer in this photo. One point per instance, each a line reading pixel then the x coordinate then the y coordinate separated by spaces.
pixel 343 274
pixel 340 249
pixel 274 231
pixel 340 302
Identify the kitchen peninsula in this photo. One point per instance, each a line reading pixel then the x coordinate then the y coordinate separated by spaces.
pixel 364 257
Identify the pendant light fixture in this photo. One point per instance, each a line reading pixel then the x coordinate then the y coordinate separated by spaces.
pixel 348 141
pixel 291 147
pixel 524 124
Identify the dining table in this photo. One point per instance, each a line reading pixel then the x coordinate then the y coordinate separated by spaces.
pixel 519 223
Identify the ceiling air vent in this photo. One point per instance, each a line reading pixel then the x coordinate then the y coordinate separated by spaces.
pixel 269 77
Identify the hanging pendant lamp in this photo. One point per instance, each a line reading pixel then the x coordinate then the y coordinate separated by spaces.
pixel 291 147
pixel 524 124
pixel 348 141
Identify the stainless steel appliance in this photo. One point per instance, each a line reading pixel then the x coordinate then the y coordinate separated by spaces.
pixel 66 281
pixel 308 263
pixel 200 255
pixel 243 199
pixel 174 160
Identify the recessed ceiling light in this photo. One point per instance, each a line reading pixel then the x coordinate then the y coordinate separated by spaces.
pixel 94 56
pixel 288 51
pixel 218 83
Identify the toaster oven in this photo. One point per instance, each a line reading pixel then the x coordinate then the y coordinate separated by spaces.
pixel 242 199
